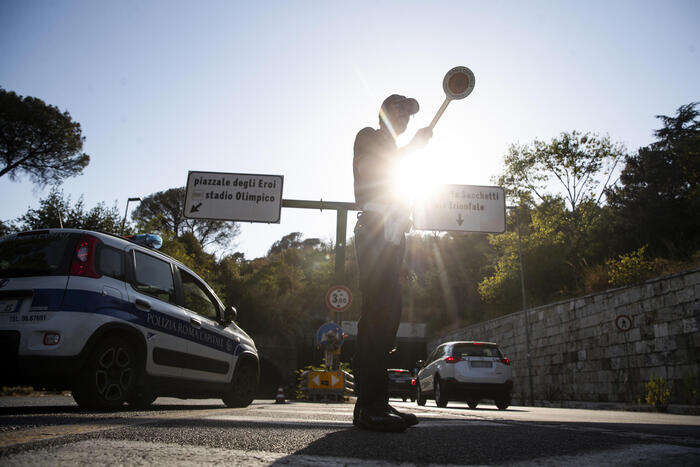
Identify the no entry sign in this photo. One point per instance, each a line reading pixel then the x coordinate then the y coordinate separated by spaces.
pixel 338 298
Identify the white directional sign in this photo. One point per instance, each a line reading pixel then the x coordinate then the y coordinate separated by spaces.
pixel 465 208
pixel 234 197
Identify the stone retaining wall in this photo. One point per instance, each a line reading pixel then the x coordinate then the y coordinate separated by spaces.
pixel 578 352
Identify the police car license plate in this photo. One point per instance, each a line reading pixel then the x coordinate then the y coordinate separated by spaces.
pixel 9 305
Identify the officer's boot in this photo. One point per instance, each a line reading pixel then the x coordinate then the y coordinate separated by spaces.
pixel 378 418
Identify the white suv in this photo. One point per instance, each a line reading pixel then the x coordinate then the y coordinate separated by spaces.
pixel 116 322
pixel 467 371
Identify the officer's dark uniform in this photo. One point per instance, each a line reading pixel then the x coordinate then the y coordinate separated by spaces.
pixel 379 259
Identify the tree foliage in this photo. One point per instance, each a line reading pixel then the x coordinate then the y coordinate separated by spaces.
pixel 573 165
pixel 163 212
pixel 658 201
pixel 38 140
pixel 57 208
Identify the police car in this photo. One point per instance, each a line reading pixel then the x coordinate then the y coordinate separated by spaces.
pixel 116 322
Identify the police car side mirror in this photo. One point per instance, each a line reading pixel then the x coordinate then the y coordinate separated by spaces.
pixel 231 314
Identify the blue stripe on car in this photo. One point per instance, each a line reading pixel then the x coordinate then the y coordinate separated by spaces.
pixel 86 301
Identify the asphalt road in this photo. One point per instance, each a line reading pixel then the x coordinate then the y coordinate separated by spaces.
pixel 52 430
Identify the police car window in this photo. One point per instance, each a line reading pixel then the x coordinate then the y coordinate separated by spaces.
pixel 110 262
pixel 154 277
pixel 476 350
pixel 196 296
pixel 41 253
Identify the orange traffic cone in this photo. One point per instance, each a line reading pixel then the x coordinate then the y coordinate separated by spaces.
pixel 280 396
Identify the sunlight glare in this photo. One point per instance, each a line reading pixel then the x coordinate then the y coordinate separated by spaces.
pixel 416 177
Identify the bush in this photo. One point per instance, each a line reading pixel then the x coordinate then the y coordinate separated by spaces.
pixel 658 394
pixel 630 268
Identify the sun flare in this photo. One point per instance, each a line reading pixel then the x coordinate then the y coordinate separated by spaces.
pixel 416 177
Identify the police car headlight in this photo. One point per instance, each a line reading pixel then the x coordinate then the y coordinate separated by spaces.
pixel 52 338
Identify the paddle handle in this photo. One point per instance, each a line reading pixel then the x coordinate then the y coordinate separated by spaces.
pixel 439 113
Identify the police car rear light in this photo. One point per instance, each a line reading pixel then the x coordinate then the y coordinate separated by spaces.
pixel 413 381
pixel 83 263
pixel 505 361
pixel 452 359
pixel 52 338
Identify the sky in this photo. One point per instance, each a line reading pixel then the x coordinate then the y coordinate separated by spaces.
pixel 282 88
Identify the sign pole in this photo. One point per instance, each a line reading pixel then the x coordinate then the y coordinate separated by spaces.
pixel 340 236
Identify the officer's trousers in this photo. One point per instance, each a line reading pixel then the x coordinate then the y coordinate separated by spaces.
pixel 379 263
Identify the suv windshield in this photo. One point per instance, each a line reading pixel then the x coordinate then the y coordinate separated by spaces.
pixel 476 350
pixel 36 254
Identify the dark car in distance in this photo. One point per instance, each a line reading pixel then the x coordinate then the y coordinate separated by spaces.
pixel 401 384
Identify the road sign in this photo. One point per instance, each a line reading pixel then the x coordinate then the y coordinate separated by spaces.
pixel 234 197
pixel 338 298
pixel 329 336
pixel 464 208
pixel 458 83
pixel 623 323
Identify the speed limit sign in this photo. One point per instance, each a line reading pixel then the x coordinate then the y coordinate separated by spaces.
pixel 338 298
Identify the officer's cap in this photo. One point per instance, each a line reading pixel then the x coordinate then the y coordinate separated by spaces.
pixel 403 104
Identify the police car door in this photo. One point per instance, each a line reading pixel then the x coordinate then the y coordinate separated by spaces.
pixel 212 345
pixel 165 325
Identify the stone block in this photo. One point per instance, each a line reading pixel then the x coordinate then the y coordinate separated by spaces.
pixel 634 335
pixel 689 325
pixel 675 327
pixel 664 344
pixel 670 299
pixel 655 359
pixel 685 295
pixel 692 278
pixel 661 330
pixel 676 283
pixel 582 355
pixel 616 351
pixel 642 347
pixel 617 363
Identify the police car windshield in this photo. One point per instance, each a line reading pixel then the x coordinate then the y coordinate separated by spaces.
pixel 36 254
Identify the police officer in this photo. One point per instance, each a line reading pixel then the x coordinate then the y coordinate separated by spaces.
pixel 380 245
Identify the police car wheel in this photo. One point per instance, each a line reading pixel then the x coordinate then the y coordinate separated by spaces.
pixel 109 377
pixel 243 386
pixel 142 398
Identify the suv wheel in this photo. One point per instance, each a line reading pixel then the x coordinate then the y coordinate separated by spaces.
pixel 421 399
pixel 108 378
pixel 472 403
pixel 503 403
pixel 440 398
pixel 243 386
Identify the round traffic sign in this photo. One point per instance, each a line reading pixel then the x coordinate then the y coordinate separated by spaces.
pixel 458 82
pixel 623 323
pixel 338 298
pixel 329 336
